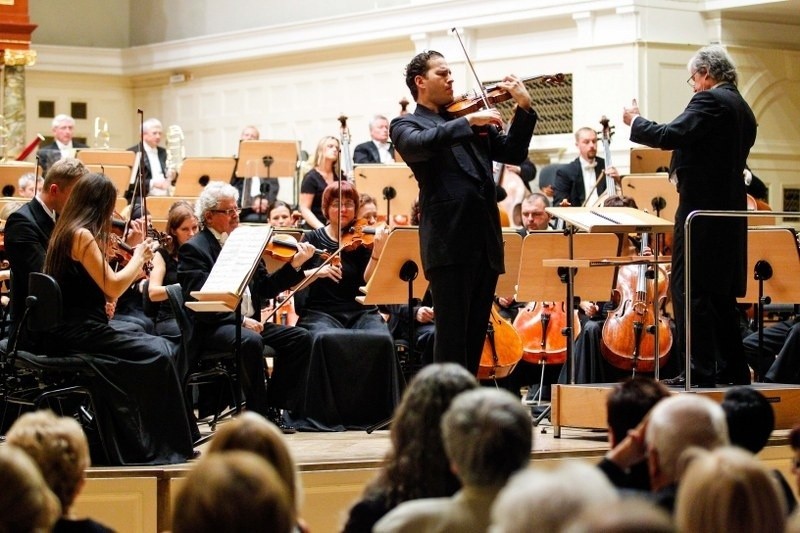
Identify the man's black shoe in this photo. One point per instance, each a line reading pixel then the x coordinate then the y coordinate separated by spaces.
pixel 680 381
pixel 275 416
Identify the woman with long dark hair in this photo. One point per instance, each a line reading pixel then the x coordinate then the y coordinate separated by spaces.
pixel 137 390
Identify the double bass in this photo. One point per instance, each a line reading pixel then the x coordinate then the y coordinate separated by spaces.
pixel 502 348
pixel 629 331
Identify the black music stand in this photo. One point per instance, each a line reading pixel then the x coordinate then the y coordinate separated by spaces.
pixel 266 160
pixel 392 183
pixel 537 282
pixel 392 282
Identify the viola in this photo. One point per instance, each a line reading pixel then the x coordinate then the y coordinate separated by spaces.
pixel 628 339
pixel 358 234
pixel 502 348
pixel 540 326
pixel 492 95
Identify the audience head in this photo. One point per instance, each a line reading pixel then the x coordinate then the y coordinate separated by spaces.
pixel 629 402
pixel 627 515
pixel 280 214
pixel 237 492
pixel 586 141
pixel 534 216
pixel 487 436
pixel 216 207
pixel 252 432
pixel 26 504
pixel 419 66
pixel 63 127
pixel 151 132
pixel 416 465
pixel 60 449
pixel 538 499
pixel 727 489
pixel 181 224
pixel 379 128
pixel 59 180
pixel 750 418
pixel 715 62
pixel 250 133
pixel 676 424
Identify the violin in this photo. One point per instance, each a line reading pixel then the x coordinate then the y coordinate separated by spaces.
pixel 492 95
pixel 628 338
pixel 284 250
pixel 286 314
pixel 502 348
pixel 123 252
pixel 358 234
pixel 540 326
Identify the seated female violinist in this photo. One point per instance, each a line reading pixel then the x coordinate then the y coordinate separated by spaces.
pixel 367 209
pixel 182 225
pixel 137 386
pixel 324 173
pixel 349 336
pixel 281 215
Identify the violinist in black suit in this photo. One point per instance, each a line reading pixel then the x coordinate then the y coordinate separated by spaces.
pixel 710 140
pixel 460 239
pixel 28 229
pixel 379 149
pixel 63 144
pixel 575 180
pixel 153 165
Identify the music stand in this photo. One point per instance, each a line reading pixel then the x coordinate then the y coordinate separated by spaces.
pixel 773 259
pixel 512 248
pixel 653 192
pixel 392 282
pixel 392 185
pixel 106 157
pixel 10 173
pixel 650 160
pixel 120 175
pixel 264 159
pixel 196 172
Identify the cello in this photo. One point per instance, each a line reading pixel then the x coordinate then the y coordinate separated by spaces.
pixel 502 348
pixel 628 340
pixel 540 326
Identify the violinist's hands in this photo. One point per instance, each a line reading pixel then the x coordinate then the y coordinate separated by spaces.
pixel 252 324
pixel 424 315
pixel 485 117
pixel 564 203
pixel 137 229
pixel 330 271
pixel 629 113
pixel 647 251
pixel 144 251
pixel 516 88
pixel 505 301
pixel 304 252
pixel 381 234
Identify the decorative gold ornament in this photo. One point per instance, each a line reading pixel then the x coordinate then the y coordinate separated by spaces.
pixel 19 58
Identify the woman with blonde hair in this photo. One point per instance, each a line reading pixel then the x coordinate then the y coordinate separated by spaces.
pixel 325 171
pixel 26 504
pixel 727 489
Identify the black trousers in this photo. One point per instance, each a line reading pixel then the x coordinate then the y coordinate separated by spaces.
pixel 462 301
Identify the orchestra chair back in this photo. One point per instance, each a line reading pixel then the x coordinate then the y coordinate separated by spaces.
pixel 32 381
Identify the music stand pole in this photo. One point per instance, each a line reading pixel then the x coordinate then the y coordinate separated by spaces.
pixel 408 273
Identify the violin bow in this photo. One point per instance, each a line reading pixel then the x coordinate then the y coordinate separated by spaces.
pixel 472 68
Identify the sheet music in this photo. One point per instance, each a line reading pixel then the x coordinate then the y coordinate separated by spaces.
pixel 611 219
pixel 237 260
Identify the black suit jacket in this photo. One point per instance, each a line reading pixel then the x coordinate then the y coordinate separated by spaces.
pixel 710 140
pixel 452 164
pixel 196 258
pixel 49 153
pixel 368 153
pixel 569 182
pixel 147 172
pixel 27 234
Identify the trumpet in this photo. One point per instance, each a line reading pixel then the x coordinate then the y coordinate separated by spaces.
pixel 101 135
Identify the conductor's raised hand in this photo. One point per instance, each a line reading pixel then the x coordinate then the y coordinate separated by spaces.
pixel 629 113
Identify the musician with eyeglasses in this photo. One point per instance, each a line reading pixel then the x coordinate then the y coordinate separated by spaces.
pixel 216 209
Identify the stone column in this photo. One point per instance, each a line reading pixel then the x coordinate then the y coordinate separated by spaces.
pixel 13 98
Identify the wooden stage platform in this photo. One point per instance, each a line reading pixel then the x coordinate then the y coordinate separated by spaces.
pixel 334 468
